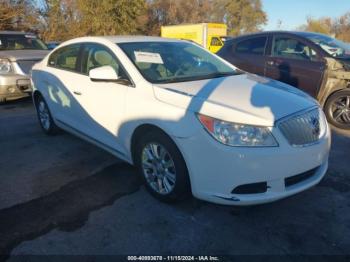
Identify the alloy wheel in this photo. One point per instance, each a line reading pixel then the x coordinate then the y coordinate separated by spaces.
pixel 158 168
pixel 44 115
pixel 340 110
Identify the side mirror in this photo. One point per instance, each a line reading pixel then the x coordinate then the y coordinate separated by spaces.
pixel 103 73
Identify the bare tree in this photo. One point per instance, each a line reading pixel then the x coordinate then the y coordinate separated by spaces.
pixel 17 15
pixel 337 27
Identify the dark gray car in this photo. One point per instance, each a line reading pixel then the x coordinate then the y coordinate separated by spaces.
pixel 315 63
pixel 19 51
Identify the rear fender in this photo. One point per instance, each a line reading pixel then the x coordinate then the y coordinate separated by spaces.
pixel 336 78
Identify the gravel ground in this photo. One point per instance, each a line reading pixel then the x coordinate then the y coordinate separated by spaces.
pixel 62 196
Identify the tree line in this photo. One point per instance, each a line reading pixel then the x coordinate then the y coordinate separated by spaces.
pixel 64 19
pixel 336 27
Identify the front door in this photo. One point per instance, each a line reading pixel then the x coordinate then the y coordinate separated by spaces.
pixel 104 102
pixel 293 62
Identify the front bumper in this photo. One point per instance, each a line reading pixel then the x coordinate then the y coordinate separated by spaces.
pixel 14 86
pixel 216 170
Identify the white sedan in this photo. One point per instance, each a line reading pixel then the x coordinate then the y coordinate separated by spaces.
pixel 189 121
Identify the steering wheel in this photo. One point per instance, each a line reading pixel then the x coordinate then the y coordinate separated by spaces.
pixel 179 72
pixel 183 67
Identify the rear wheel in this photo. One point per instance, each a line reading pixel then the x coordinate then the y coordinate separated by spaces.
pixel 162 167
pixel 337 109
pixel 45 119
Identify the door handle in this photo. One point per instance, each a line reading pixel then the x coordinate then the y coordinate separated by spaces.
pixel 77 93
pixel 270 63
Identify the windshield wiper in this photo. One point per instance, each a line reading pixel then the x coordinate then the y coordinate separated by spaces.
pixel 222 74
pixel 176 79
pixel 196 78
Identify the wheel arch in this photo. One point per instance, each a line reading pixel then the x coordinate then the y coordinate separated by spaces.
pixel 329 110
pixel 147 127
pixel 331 92
pixel 36 94
pixel 329 86
pixel 142 129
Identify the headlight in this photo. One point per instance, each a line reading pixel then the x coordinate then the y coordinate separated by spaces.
pixel 5 67
pixel 233 134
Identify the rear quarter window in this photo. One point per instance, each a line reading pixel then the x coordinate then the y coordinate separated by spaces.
pixel 65 58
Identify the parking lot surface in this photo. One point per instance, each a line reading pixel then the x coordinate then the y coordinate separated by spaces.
pixel 62 196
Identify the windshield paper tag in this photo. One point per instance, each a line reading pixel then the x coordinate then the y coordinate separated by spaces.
pixel 147 57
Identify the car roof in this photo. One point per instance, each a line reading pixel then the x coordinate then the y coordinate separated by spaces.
pixel 307 34
pixel 124 39
pixel 15 33
pixel 297 33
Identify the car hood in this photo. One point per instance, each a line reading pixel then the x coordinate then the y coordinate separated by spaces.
pixel 246 98
pixel 15 55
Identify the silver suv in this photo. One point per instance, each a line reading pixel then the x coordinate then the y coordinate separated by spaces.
pixel 19 51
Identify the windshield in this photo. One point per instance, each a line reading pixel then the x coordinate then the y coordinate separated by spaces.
pixel 169 62
pixel 20 42
pixel 332 46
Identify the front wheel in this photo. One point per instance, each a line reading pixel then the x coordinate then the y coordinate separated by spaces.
pixel 162 167
pixel 337 109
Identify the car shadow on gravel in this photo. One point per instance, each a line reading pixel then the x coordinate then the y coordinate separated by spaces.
pixel 19 103
pixel 68 208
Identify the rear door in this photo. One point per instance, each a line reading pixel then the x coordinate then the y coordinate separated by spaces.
pixel 249 54
pixel 60 84
pixel 295 62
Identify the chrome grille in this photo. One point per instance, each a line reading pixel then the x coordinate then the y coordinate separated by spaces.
pixel 26 65
pixel 305 128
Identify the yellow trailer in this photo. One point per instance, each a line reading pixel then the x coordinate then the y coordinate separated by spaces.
pixel 208 35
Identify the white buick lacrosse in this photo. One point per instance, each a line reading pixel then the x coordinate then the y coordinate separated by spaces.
pixel 189 121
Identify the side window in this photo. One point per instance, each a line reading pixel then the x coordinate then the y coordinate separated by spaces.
pixel 95 55
pixel 215 42
pixel 253 46
pixel 291 48
pixel 65 57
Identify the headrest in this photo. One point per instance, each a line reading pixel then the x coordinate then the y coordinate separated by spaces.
pixel 102 57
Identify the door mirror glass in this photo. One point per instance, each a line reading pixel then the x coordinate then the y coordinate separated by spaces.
pixel 103 73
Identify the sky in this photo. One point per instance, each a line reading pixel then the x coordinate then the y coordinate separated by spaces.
pixel 293 13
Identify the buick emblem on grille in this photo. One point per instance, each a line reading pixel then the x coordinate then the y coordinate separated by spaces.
pixel 303 129
pixel 315 123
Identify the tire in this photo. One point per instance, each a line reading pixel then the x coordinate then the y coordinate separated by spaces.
pixel 2 100
pixel 166 180
pixel 337 109
pixel 44 116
